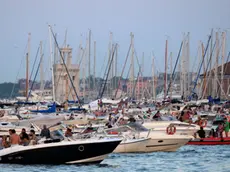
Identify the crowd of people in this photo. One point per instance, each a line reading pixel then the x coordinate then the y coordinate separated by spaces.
pixel 23 138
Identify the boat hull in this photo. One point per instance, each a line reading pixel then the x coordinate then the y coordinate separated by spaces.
pixel 55 153
pixel 166 145
pixel 150 145
pixel 210 141
pixel 132 146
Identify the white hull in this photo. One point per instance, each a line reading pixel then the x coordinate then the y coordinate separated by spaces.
pixel 152 144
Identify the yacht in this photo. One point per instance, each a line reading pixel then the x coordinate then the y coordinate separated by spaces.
pixel 56 151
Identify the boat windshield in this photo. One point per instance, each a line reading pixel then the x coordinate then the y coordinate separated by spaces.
pixel 57 134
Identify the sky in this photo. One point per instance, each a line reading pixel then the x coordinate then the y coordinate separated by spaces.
pixel 151 22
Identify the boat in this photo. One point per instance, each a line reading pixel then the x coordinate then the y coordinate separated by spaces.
pixel 210 141
pixel 60 152
pixel 139 139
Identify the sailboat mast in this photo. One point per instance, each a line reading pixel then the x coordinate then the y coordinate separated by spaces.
pixel 216 63
pixel 166 64
pixel 115 68
pixel 188 64
pixel 89 53
pixel 170 75
pixel 222 64
pixel 51 64
pixel 94 66
pixel 27 66
pixel 109 57
pixel 153 78
pixel 132 65
pixel 142 77
pixel 41 69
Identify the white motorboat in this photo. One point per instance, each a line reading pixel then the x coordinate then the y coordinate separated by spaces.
pixel 139 139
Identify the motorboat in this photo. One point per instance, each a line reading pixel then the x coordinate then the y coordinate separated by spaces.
pixel 80 151
pixel 210 141
pixel 182 128
pixel 139 139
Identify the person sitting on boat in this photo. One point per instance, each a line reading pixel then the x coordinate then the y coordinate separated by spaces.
pixel 24 138
pixel 14 138
pixel 45 132
pixel 71 117
pixel 68 133
pixel 201 133
pixel 226 127
pixel 198 121
pixel 5 142
pixel 186 117
pixel 157 115
pixel 148 111
pixel 32 137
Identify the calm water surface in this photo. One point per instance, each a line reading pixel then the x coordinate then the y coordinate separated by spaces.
pixel 187 158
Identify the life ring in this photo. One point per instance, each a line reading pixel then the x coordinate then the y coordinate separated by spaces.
pixel 171 130
pixel 113 132
pixel 203 123
pixel 81 148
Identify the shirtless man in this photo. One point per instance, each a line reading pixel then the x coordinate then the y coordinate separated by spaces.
pixel 14 138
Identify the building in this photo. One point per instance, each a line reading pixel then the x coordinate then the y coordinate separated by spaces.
pixel 143 87
pixel 63 87
pixel 215 86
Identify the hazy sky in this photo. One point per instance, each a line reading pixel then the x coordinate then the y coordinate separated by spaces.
pixel 149 20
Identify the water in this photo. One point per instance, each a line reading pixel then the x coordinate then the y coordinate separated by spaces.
pixel 186 159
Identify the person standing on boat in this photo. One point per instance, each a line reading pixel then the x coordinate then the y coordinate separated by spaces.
pixel 45 132
pixel 226 127
pixel 201 133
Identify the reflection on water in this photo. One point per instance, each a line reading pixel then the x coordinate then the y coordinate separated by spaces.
pixel 187 158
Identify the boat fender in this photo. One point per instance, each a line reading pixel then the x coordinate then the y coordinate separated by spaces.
pixel 203 123
pixel 171 130
pixel 81 148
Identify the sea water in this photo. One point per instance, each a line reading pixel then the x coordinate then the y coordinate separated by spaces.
pixel 186 159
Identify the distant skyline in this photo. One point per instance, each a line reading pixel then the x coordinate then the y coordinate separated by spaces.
pixel 151 21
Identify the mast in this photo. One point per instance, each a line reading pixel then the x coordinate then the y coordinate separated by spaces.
pixel 109 57
pixel 216 64
pixel 153 78
pixel 132 65
pixel 170 74
pixel 41 69
pixel 27 66
pixel 94 66
pixel 222 64
pixel 83 72
pixel 204 71
pixel 210 88
pixel 142 78
pixel 188 64
pixel 51 65
pixel 115 68
pixel 166 64
pixel 89 53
